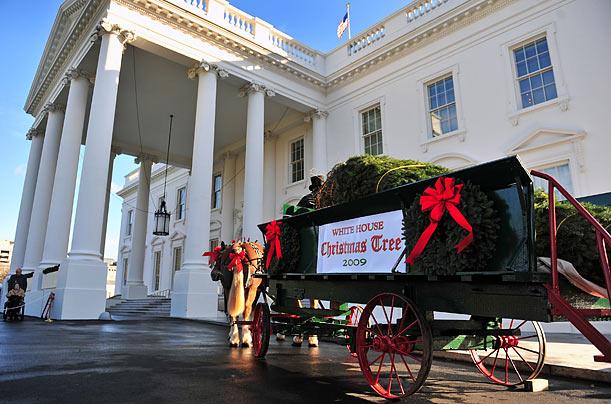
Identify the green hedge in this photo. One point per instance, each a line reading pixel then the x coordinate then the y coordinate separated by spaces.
pixel 576 237
pixel 358 177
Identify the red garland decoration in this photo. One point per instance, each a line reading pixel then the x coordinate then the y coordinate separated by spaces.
pixel 235 260
pixel 444 196
pixel 213 255
pixel 272 235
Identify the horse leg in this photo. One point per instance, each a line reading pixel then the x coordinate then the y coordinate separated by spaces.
pixel 234 334
pixel 248 306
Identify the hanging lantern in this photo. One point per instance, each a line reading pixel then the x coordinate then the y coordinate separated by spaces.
pixel 162 221
pixel 162 216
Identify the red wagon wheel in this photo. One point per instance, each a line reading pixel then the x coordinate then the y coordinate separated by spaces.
pixel 260 330
pixel 393 346
pixel 353 319
pixel 513 359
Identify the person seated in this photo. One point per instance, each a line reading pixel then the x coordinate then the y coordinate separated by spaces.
pixel 16 291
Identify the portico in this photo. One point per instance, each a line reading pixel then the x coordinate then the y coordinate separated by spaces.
pixel 116 96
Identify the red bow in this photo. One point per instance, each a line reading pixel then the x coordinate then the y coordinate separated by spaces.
pixel 272 235
pixel 236 261
pixel 445 196
pixel 213 255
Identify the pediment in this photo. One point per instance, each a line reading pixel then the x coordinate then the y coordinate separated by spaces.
pixel 454 160
pixel 215 225
pixel 157 240
pixel 544 138
pixel 177 235
pixel 125 249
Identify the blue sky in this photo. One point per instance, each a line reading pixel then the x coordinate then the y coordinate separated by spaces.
pixel 26 26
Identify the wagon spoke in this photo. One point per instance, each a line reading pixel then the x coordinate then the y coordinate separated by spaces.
pixel 526 349
pixel 376 359
pixel 407 367
pixel 386 316
pixel 523 360
pixel 515 368
pixel 377 324
pixel 485 357
pixel 408 327
pixel 506 367
pixel 511 324
pixel 380 367
pixel 392 309
pixel 399 379
pixel 494 363
pixel 408 354
pixel 521 324
pixel 528 336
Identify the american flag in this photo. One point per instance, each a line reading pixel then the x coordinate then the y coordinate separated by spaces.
pixel 343 25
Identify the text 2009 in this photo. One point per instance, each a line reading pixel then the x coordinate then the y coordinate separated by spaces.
pixel 357 262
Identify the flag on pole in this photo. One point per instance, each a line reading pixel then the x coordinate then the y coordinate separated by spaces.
pixel 343 25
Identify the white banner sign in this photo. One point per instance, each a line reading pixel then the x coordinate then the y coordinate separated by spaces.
pixel 365 244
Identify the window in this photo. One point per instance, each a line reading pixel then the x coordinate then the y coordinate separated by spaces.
pixel 181 203
pixel 217 191
pixel 442 106
pixel 371 128
pixel 534 72
pixel 561 173
pixel 177 258
pixel 130 222
pixel 297 167
pixel 156 268
pixel 214 242
pixel 125 262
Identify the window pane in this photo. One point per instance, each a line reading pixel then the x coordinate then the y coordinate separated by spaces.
pixel 550 92
pixel 530 50
pixel 450 95
pixel 449 84
pixel 538 96
pixel 431 90
pixel 542 45
pixel 548 77
pixel 536 81
pixel 519 53
pixel 524 85
pixel 521 69
pixel 526 100
pixel 533 64
pixel 441 98
pixel 433 102
pixel 453 123
pixel 544 60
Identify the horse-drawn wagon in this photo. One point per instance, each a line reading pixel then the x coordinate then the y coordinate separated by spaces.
pixel 462 243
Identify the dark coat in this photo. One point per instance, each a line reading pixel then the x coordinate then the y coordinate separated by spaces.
pixel 22 280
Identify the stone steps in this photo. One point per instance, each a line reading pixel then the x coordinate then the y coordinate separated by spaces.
pixel 141 308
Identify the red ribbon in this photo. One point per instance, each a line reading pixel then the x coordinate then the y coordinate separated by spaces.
pixel 213 255
pixel 272 235
pixel 235 260
pixel 445 196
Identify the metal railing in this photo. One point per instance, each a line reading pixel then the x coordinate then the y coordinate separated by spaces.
pixel 161 293
pixel 559 305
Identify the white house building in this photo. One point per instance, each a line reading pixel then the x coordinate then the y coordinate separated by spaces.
pixel 455 82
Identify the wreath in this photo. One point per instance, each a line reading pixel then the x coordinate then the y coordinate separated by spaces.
pixel 462 237
pixel 290 247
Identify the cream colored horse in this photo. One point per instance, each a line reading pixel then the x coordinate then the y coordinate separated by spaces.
pixel 243 260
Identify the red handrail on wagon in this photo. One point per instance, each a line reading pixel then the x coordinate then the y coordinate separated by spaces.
pixel 559 305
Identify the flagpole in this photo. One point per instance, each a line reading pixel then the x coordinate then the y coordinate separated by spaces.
pixel 348 12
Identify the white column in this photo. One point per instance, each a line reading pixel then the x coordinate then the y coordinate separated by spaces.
pixel 269 178
pixel 44 188
pixel 253 180
pixel 135 287
pixel 60 212
pixel 27 199
pixel 194 293
pixel 228 198
pixel 319 142
pixel 113 154
pixel 81 284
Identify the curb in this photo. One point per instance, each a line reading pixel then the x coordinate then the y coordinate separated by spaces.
pixel 590 375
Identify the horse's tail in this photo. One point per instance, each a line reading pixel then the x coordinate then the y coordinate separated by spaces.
pixel 235 305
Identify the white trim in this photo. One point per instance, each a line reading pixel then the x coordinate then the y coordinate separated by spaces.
pixel 467 159
pixel 289 167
